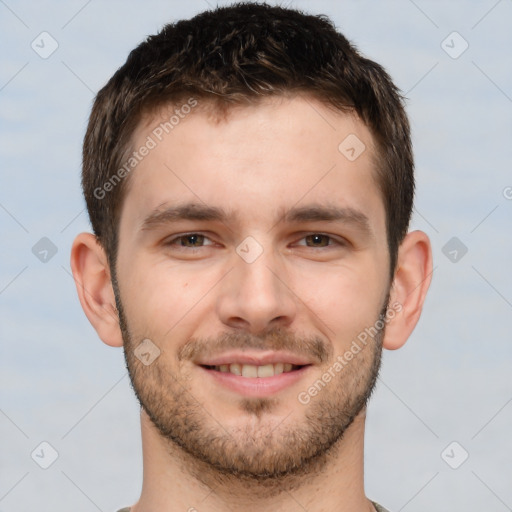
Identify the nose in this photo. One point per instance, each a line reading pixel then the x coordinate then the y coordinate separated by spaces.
pixel 255 296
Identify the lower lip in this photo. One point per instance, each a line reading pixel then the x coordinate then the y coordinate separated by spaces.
pixel 257 386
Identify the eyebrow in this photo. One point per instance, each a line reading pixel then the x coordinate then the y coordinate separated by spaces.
pixel 311 213
pixel 321 213
pixel 188 211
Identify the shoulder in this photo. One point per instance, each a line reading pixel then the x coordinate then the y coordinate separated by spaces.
pixel 378 508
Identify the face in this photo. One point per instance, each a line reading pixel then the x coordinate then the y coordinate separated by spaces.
pixel 252 253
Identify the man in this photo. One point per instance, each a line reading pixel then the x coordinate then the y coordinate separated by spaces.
pixel 249 179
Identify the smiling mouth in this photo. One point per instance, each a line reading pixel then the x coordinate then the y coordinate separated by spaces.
pixel 253 371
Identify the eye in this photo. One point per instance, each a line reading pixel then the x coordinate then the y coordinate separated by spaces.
pixel 191 240
pixel 317 240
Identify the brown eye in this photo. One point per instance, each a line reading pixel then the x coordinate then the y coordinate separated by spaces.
pixel 317 240
pixel 192 240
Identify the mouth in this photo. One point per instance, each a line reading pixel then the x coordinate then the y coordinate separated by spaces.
pixel 254 374
pixel 251 371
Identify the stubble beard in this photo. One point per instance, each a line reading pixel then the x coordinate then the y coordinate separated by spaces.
pixel 271 455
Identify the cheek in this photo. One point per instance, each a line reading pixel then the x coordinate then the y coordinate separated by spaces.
pixel 344 299
pixel 162 299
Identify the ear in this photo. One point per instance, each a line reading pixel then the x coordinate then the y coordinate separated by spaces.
pixel 409 288
pixel 94 286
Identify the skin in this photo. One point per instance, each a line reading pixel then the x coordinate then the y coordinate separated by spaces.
pixel 257 164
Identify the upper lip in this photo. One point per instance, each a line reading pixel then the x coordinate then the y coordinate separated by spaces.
pixel 256 358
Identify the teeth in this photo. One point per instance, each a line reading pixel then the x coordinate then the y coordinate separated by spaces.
pixel 249 370
pixel 266 370
pixel 252 371
pixel 278 368
pixel 235 368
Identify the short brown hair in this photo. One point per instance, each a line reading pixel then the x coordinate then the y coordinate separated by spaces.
pixel 239 54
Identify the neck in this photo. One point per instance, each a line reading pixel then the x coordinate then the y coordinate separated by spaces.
pixel 173 481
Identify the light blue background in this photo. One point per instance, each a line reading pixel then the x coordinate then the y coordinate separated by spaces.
pixel 451 382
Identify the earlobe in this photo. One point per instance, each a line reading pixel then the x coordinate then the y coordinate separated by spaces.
pixel 93 283
pixel 409 289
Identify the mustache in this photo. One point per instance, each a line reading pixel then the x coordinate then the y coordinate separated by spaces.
pixel 312 347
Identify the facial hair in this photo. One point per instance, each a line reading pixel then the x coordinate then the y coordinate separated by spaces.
pixel 259 451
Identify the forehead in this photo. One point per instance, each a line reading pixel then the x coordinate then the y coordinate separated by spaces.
pixel 255 159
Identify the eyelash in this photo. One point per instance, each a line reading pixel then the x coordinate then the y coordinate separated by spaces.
pixel 187 235
pixel 332 240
